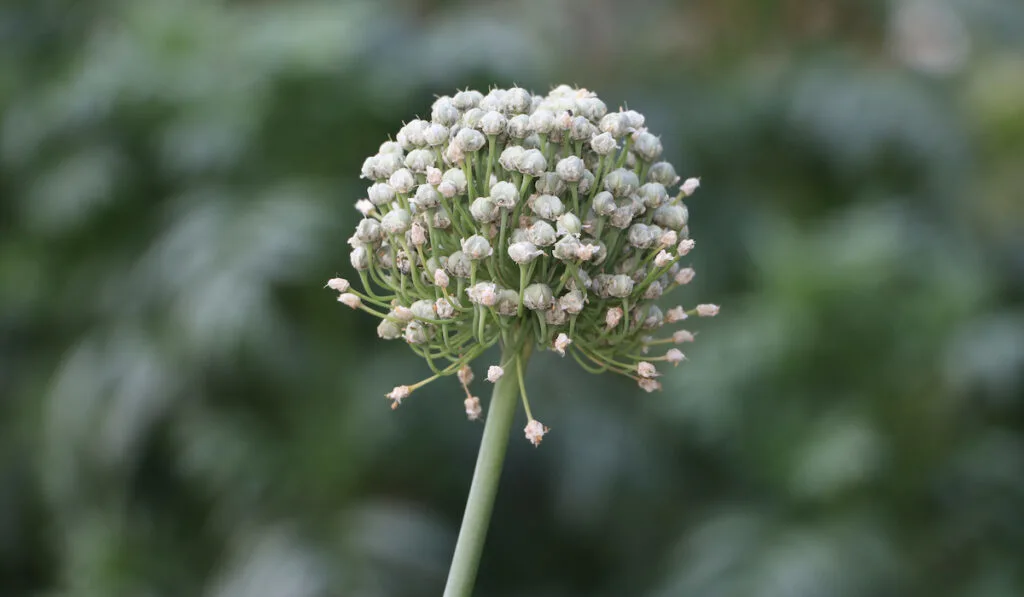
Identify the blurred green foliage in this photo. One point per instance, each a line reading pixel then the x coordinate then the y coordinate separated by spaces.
pixel 185 411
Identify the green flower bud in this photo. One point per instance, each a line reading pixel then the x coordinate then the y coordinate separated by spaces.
pixel 647 146
pixel 671 216
pixel 484 210
pixel 663 173
pixel 538 297
pixel 423 309
pixel 532 162
pixel 586 182
pixel 505 194
pixel 476 247
pixel 570 169
pixel 548 207
pixel 621 182
pixel 641 237
pixel 655 318
pixel 653 194
pixel 388 330
pixel 368 231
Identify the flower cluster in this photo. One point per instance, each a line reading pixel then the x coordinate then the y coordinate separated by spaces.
pixel 524 219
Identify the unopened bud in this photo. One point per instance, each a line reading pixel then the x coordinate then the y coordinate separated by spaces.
pixel 645 369
pixel 441 278
pixel 476 247
pixel 339 284
pixel 707 310
pixel 663 258
pixel 535 431
pixel 473 408
pixel 613 317
pixel 537 297
pixel 649 385
pixel 523 252
pixel 685 276
pixel 675 356
pixel 350 300
pixel 418 235
pixel 562 342
pixel 494 373
pixel 681 336
pixel 690 186
pixel 685 246
pixel 675 314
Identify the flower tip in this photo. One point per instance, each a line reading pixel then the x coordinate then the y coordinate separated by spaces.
pixel 350 300
pixel 339 284
pixel 675 356
pixel 397 395
pixel 690 186
pixel 707 310
pixel 646 370
pixel 535 431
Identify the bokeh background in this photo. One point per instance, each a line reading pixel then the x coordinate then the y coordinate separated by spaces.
pixel 184 410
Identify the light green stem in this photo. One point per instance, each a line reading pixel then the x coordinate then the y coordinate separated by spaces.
pixel 475 521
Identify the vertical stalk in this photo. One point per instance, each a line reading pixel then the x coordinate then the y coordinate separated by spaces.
pixel 500 414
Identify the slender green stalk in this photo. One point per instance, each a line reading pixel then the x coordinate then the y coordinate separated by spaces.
pixel 477 518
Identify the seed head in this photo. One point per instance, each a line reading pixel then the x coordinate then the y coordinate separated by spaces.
pixel 526 219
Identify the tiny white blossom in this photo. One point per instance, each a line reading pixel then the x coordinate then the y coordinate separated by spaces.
pixel 645 369
pixel 663 258
pixel 494 373
pixel 685 276
pixel 473 408
pixel 561 343
pixel 396 395
pixel 364 206
pixel 339 284
pixel 707 310
pixel 535 431
pixel 675 314
pixel 649 385
pixel 441 278
pixel 350 300
pixel 434 176
pixel 690 186
pixel 685 246
pixel 681 336
pixel 675 356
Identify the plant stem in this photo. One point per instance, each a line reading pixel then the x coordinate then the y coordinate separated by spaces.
pixel 482 491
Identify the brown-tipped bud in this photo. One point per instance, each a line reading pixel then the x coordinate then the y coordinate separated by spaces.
pixel 535 431
pixel 473 408
pixel 465 375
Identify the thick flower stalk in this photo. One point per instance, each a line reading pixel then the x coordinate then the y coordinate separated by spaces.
pixel 522 219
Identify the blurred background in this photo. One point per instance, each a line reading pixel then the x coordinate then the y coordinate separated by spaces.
pixel 184 410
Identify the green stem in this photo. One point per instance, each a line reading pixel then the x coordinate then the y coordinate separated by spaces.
pixel 475 521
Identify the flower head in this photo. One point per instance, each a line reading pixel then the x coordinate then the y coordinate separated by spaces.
pixel 523 219
pixel 535 431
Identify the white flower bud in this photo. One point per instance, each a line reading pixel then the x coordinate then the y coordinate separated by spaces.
pixel 444 111
pixel 620 286
pixel 508 302
pixel 473 408
pixel 416 333
pixel 444 309
pixel 419 160
pixel 510 156
pixel 423 309
pixel 581 129
pixel 649 385
pixel 464 100
pixel 483 209
pixel 621 182
pixel 517 101
pixel 567 248
pixel 690 186
pixel 380 193
pixel 535 431
pixel 707 310
pixel 470 140
pixel 541 234
pixel 670 216
pixel 388 330
pixel 586 252
pixel 570 169
pixel 538 297
pixel 390 147
pixel 368 231
pixel 561 343
pixel 483 293
pixel 523 252
pixel 681 336
pixel 675 356
pixel 447 189
pixel 532 162
pixel 604 204
pixel 591 108
pixel 548 207
pixel 568 223
pixel 398 394
pixel 549 183
pixel 494 373
pixel 434 176
pixel 675 314
pixel 572 302
pixel 436 134
pixel 402 180
pixel 647 146
pixel 645 369
pixel 663 258
pixel 364 206
pixel 459 265
pixel 614 124
pixel 603 144
pixel 403 313
pixel 505 194
pixel 360 259
pixel 396 221
pixel 476 247
pixel 465 375
pixel 427 197
pixel 668 238
pixel 441 279
pixel 685 276
pixel 653 194
pixel 414 133
pixel 586 182
pixel 519 126
pixel 339 284
pixel 350 300
pixel 542 121
pixel 453 154
pixel 664 173
pixel 633 119
pixel 685 246
pixel 418 235
pixel 441 219
pixel 613 317
pixel 493 123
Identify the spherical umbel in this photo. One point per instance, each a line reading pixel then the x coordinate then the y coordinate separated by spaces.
pixel 523 219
